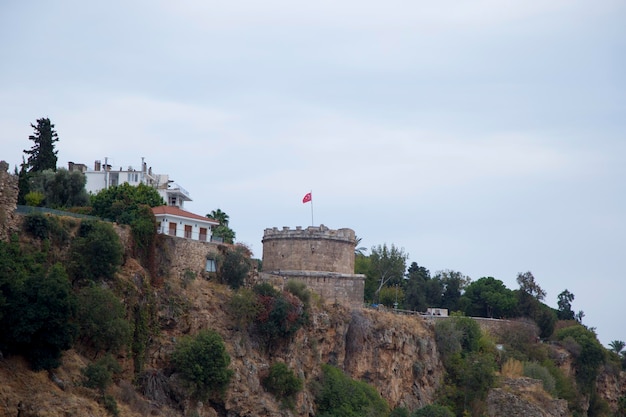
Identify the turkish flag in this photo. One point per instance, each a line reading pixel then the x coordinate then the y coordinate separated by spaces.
pixel 307 198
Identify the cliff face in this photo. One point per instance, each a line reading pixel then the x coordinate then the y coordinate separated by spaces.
pixel 395 354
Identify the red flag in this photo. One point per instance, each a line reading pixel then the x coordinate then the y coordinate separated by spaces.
pixel 307 198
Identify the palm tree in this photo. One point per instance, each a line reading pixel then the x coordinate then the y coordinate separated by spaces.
pixel 617 346
pixel 358 250
pixel 220 216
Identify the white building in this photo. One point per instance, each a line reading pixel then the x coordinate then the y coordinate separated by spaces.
pixel 103 176
pixel 174 221
pixel 171 219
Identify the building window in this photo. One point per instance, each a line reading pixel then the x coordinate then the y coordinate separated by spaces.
pixel 211 266
pixel 188 230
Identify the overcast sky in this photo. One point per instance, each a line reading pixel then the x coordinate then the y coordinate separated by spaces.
pixel 486 136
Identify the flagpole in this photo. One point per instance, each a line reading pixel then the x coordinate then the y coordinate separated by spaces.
pixel 312 222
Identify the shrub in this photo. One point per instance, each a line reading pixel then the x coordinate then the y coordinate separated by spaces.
pixel 234 266
pixel 337 395
pixel 280 315
pixel 111 405
pixel 101 319
pixel 99 375
pixel 96 253
pixel 34 199
pixel 400 412
pixel 433 411
pixel 512 368
pixel 536 371
pixel 591 354
pixel 299 289
pixel 203 362
pixel 40 318
pixel 244 307
pixel 37 225
pixel 283 383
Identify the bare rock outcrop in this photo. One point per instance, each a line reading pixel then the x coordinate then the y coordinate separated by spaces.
pixel 524 397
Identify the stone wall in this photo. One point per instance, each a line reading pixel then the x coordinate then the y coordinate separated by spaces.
pixel 320 257
pixel 186 255
pixel 310 249
pixel 345 289
pixel 8 201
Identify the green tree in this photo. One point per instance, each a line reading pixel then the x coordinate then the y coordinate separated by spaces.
pixel 234 265
pixel 203 362
pixel 99 375
pixel 388 265
pixel 564 303
pixel 101 319
pixel 121 203
pixel 454 283
pixel 95 253
pixel 617 346
pixel 40 318
pixel 23 182
pixel 417 296
pixel 222 230
pixel 588 354
pixel 283 383
pixel 358 250
pixel 42 155
pixel 488 297
pixel 528 286
pixel 61 188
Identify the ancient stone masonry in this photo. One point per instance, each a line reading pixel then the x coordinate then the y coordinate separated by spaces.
pixel 320 257
pixel 8 201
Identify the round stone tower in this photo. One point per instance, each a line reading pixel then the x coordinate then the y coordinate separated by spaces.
pixel 320 257
pixel 310 249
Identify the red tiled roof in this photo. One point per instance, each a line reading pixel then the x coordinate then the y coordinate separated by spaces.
pixel 175 211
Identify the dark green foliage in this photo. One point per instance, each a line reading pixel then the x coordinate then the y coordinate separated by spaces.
pixel 433 411
pixel 110 405
pixel 234 265
pixel 564 303
pixel 244 307
pixel 121 204
pixel 143 227
pixel 280 314
pixel 36 308
pixel 299 289
pixel 387 266
pixel 337 395
pixel 95 253
pixel 588 354
pixel 400 412
pixel 37 225
pixel 42 155
pixel 488 297
pixel 621 407
pixel 537 371
pixel 469 372
pixel 283 383
pixel 101 320
pixel 222 230
pixel 23 182
pixel 61 189
pixel 99 375
pixel 203 362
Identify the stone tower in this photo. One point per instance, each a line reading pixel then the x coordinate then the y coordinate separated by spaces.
pixel 8 201
pixel 320 257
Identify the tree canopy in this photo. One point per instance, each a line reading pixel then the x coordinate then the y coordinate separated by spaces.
pixel 387 265
pixel 222 230
pixel 42 155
